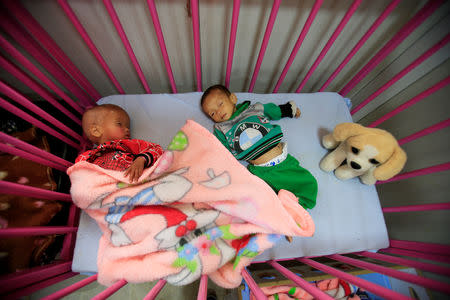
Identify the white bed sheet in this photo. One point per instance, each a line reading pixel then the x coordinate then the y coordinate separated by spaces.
pixel 348 214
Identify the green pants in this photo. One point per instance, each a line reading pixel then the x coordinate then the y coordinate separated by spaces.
pixel 288 175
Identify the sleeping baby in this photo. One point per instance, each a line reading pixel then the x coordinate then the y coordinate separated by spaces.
pixel 245 130
pixel 108 127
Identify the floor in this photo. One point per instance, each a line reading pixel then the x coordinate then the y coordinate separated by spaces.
pixel 136 291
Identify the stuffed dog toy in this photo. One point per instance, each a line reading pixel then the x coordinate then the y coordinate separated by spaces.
pixel 371 153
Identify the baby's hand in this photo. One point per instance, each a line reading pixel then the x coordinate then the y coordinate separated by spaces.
pixel 136 169
pixel 297 113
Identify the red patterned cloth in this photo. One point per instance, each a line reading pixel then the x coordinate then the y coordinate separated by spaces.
pixel 119 154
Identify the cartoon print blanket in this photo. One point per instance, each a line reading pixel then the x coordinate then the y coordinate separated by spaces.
pixel 196 211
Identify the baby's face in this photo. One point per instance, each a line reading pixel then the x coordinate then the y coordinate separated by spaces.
pixel 218 106
pixel 116 125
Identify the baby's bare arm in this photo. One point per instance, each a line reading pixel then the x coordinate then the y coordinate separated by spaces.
pixel 136 169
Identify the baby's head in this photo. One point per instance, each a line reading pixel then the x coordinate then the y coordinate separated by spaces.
pixel 106 122
pixel 218 103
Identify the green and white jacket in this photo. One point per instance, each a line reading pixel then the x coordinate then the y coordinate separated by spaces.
pixel 248 133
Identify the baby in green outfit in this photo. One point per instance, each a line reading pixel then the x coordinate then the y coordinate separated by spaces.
pixel 245 130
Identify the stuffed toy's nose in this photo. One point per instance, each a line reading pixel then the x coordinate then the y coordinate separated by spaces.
pixel 355 165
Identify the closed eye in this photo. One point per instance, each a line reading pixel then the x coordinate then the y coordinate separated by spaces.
pixel 374 161
pixel 355 150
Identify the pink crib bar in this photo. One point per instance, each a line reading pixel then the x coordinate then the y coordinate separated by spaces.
pixel 27 64
pixel 126 43
pixel 110 290
pixel 41 35
pixel 29 156
pixel 196 31
pixel 361 42
pixel 19 74
pixel 25 40
pixel 330 43
pixel 234 24
pixel 433 284
pixel 17 97
pixel 418 254
pixel 29 191
pixel 376 289
pixel 40 285
pixel 406 262
pixel 23 283
pixel 405 71
pixel 298 44
pixel 162 44
pixel 418 19
pixel 70 289
pixel 34 150
pixel 20 113
pixel 265 42
pixel 73 18
pixel 423 207
pixel 300 281
pixel 155 290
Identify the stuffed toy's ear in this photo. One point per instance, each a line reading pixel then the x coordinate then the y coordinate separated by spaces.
pixel 345 130
pixel 392 166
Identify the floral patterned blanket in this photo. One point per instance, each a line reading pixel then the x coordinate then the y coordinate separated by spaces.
pixel 196 211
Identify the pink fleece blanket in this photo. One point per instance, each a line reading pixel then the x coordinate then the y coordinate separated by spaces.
pixel 196 211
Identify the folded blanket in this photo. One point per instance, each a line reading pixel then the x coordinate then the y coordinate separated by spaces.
pixel 196 211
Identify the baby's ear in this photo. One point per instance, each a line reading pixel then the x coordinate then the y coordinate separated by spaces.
pixel 96 131
pixel 233 98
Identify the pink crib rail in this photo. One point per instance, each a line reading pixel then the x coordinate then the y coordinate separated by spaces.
pixel 428 283
pixel 33 69
pixel 371 287
pixel 234 25
pixel 110 290
pixel 29 191
pixel 73 18
pixel 40 285
pixel 155 290
pixel 22 37
pixel 72 288
pixel 162 44
pixel 361 42
pixel 50 45
pixel 406 262
pixel 265 42
pixel 405 71
pixel 406 30
pixel 422 207
pixel 17 152
pixel 22 76
pixel 19 24
pixel 259 294
pixel 196 31
pixel 20 113
pixel 441 84
pixel 330 43
pixel 300 281
pixel 298 44
pixel 17 97
pixel 115 19
pixel 24 278
pixel 34 150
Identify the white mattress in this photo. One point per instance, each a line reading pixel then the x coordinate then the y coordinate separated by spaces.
pixel 348 214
